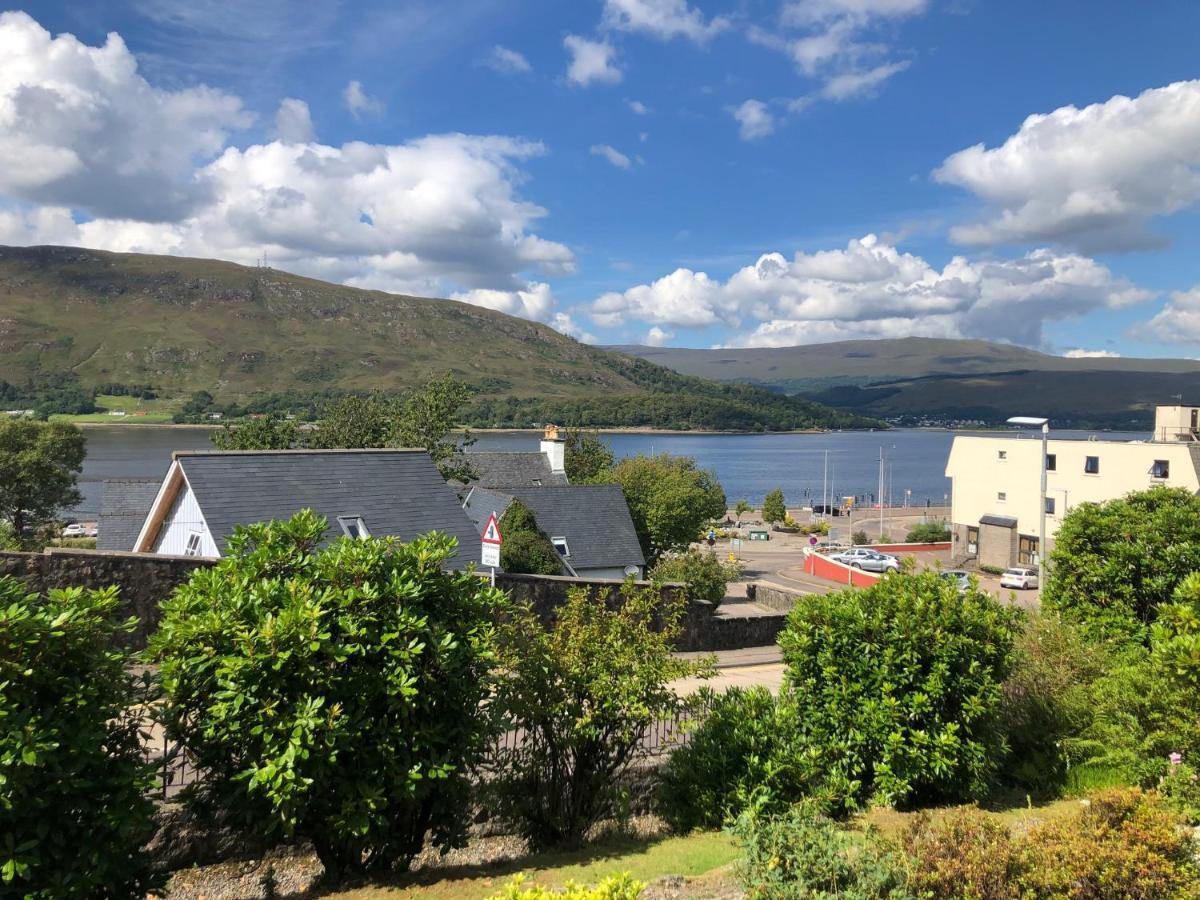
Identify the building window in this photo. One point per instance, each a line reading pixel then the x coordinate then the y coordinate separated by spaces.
pixel 537 482
pixel 1002 454
pixel 195 539
pixel 1049 506
pixel 1161 469
pixel 1001 496
pixel 1051 462
pixel 353 527
pixel 1027 551
pixel 560 544
pixel 1091 465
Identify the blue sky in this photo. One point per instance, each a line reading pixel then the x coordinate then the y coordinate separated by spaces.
pixel 689 173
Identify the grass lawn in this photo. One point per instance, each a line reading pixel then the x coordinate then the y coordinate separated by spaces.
pixel 137 411
pixel 644 859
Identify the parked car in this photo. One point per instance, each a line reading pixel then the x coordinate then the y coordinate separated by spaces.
pixel 1019 578
pixel 868 560
pixel 961 578
pixel 79 530
pixel 827 547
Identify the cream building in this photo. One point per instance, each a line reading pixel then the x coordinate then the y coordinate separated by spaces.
pixel 997 482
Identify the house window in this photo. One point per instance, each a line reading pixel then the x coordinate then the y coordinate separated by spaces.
pixel 1049 506
pixel 1002 496
pixel 353 527
pixel 1027 551
pixel 195 539
pixel 1091 465
pixel 537 482
pixel 1051 462
pixel 1002 454
pixel 560 544
pixel 1161 469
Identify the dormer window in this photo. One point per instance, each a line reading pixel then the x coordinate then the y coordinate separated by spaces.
pixel 354 527
pixel 560 545
pixel 1161 469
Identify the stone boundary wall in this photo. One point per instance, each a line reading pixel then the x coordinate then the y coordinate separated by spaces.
pixel 775 598
pixel 146 579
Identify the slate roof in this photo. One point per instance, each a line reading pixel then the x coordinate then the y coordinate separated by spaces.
pixel 1002 521
pixel 482 502
pixel 398 493
pixel 124 504
pixel 502 469
pixel 594 518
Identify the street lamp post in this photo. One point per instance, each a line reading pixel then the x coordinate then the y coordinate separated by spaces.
pixel 1045 426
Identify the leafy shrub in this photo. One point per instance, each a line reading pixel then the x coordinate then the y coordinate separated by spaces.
pixel 1126 843
pixel 967 854
pixel 581 693
pixel 615 887
pixel 898 687
pixel 774 509
pixel 738 751
pixel 332 693
pixel 803 854
pixel 526 548
pixel 928 533
pixel 706 577
pixel 860 537
pixel 669 500
pixel 1047 699
pixel 1114 564
pixel 991 570
pixel 73 807
pixel 1181 788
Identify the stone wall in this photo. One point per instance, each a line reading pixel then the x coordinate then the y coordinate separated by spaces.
pixel 775 598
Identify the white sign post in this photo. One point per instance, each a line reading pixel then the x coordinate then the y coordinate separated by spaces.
pixel 490 541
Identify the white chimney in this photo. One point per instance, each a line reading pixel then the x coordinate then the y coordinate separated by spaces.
pixel 554 449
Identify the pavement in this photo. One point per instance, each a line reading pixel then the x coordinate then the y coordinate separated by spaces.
pixel 737 668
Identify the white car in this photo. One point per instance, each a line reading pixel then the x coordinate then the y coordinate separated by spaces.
pixel 1019 578
pixel 868 560
pixel 79 530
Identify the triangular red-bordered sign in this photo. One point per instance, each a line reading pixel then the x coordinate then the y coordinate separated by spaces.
pixel 491 531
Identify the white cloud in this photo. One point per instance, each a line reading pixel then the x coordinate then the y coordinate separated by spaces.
pixel 613 155
pixel 1080 353
pixel 1091 178
pixel 502 59
pixel 663 19
pixel 656 336
pixel 860 83
pixel 293 122
pixel 80 125
pixel 1177 323
pixel 870 288
pixel 359 102
pixel 535 301
pixel 639 107
pixel 754 120
pixel 564 324
pixel 591 61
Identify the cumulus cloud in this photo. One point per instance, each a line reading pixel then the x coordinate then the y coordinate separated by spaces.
pixel 509 62
pixel 534 301
pixel 564 324
pixel 293 122
pixel 639 107
pixel 359 102
pixel 1177 323
pixel 612 154
pixel 656 336
pixel 872 289
pixel 663 19
pixel 1080 353
pixel 754 120
pixel 591 61
pixel 80 126
pixel 1091 178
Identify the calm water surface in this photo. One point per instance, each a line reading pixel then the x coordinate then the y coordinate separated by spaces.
pixel 747 465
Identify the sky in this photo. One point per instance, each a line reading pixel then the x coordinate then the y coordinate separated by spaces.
pixel 693 173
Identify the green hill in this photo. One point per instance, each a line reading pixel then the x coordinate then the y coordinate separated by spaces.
pixel 930 380
pixel 86 320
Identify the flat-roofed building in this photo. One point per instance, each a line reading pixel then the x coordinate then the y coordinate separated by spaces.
pixel 997 482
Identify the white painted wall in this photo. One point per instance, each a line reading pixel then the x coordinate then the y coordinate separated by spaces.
pixel 183 519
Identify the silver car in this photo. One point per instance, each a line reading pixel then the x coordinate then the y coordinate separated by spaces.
pixel 868 560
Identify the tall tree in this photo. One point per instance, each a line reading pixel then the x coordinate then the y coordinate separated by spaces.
pixel 39 467
pixel 774 509
pixel 670 500
pixel 587 457
pixel 267 433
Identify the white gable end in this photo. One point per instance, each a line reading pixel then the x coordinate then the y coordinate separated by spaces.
pixel 184 532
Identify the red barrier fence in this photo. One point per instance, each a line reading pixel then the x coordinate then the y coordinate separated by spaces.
pixel 824 567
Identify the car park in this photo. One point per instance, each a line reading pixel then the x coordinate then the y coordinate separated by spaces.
pixel 1019 578
pixel 868 560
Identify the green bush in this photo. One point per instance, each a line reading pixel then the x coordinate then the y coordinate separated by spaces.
pixel 991 570
pixel 1047 699
pixel 706 577
pixel 73 807
pixel 332 693
pixel 774 509
pixel 928 533
pixel 860 537
pixel 526 548
pixel 898 688
pixel 1114 564
pixel 739 750
pixel 669 500
pixel 615 887
pixel 1181 788
pixel 966 854
pixel 802 854
pixel 581 694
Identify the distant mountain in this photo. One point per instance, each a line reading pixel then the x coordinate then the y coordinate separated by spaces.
pixel 88 318
pixel 928 379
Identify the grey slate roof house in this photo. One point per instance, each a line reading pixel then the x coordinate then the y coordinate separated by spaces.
pixel 398 493
pixel 502 469
pixel 123 507
pixel 589 524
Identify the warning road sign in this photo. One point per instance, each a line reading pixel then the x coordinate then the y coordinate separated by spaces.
pixel 490 540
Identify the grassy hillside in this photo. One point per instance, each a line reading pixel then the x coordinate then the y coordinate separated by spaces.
pixel 75 317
